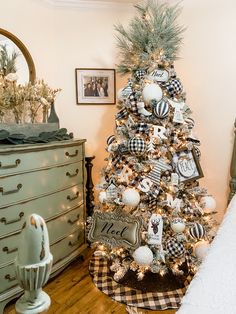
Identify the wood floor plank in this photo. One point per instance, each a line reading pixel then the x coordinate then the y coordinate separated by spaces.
pixel 73 292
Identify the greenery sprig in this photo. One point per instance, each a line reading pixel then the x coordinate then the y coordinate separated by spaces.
pixel 153 37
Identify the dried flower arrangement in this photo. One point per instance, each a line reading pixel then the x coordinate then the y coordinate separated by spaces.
pixel 28 103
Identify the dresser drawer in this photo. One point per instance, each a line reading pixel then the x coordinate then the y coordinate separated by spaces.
pixel 7 278
pixel 58 228
pixel 65 247
pixel 18 162
pixel 66 224
pixel 13 217
pixel 28 185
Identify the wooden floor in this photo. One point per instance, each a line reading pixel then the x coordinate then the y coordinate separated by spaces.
pixel 73 292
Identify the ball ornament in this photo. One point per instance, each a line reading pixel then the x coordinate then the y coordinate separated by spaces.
pixel 177 225
pixel 131 197
pixel 201 248
pixel 152 91
pixel 208 203
pixel 143 256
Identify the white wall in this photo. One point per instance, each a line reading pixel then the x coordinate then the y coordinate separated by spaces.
pixel 62 39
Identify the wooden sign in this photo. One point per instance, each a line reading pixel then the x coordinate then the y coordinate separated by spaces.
pixel 188 167
pixel 115 229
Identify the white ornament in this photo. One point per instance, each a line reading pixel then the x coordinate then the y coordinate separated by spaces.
pixel 145 185
pixel 143 256
pixel 152 91
pixel 177 225
pixel 201 248
pixel 208 203
pixel 125 173
pixel 130 197
pixel 102 197
pixel 142 110
pixel 155 227
pixel 159 131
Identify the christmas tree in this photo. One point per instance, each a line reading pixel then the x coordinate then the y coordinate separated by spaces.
pixel 153 167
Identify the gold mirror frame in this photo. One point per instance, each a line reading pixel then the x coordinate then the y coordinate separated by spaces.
pixel 25 52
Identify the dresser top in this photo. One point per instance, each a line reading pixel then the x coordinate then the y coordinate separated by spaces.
pixel 6 149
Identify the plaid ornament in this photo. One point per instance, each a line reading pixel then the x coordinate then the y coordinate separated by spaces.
pixel 197 231
pixel 136 145
pixel 122 149
pixel 174 248
pixel 174 87
pixel 133 102
pixel 139 74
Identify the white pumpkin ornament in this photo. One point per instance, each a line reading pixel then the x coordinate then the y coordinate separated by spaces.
pixel 143 256
pixel 152 91
pixel 201 248
pixel 177 225
pixel 102 197
pixel 208 203
pixel 131 197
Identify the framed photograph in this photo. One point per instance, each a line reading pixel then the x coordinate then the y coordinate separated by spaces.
pixel 95 86
pixel 188 166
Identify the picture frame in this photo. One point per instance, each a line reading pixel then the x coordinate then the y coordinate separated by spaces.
pixel 187 166
pixel 95 86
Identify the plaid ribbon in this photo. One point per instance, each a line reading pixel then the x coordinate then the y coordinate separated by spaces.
pixel 133 102
pixel 123 113
pixel 141 127
pixel 103 280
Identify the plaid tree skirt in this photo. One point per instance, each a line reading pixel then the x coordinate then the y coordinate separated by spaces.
pixel 103 280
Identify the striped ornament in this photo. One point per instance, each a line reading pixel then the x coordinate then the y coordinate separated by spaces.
pixel 197 231
pixel 161 109
pixel 111 139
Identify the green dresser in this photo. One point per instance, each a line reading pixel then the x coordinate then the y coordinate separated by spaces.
pixel 46 179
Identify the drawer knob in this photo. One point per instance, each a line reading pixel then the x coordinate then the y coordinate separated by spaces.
pixel 9 251
pixel 19 186
pixel 76 242
pixel 4 219
pixel 73 221
pixel 70 175
pixel 72 155
pixel 72 198
pixel 9 278
pixel 17 162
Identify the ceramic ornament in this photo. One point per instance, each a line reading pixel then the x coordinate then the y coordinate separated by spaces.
pixel 102 197
pixel 145 185
pixel 159 75
pixel 201 248
pixel 152 91
pixel 159 131
pixel 143 256
pixel 131 197
pixel 174 178
pixel 155 173
pixel 142 110
pixel 111 139
pixel 161 109
pixel 174 87
pixel 155 228
pixel 178 111
pixel 208 204
pixel 177 225
pixel 174 248
pixel 197 231
pixel 123 93
pixel 111 191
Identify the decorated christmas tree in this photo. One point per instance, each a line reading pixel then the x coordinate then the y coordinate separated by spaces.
pixel 153 218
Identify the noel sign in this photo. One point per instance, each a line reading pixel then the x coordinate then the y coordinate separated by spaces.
pixel 115 229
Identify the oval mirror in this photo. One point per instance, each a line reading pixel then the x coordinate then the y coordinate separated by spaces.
pixel 24 66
